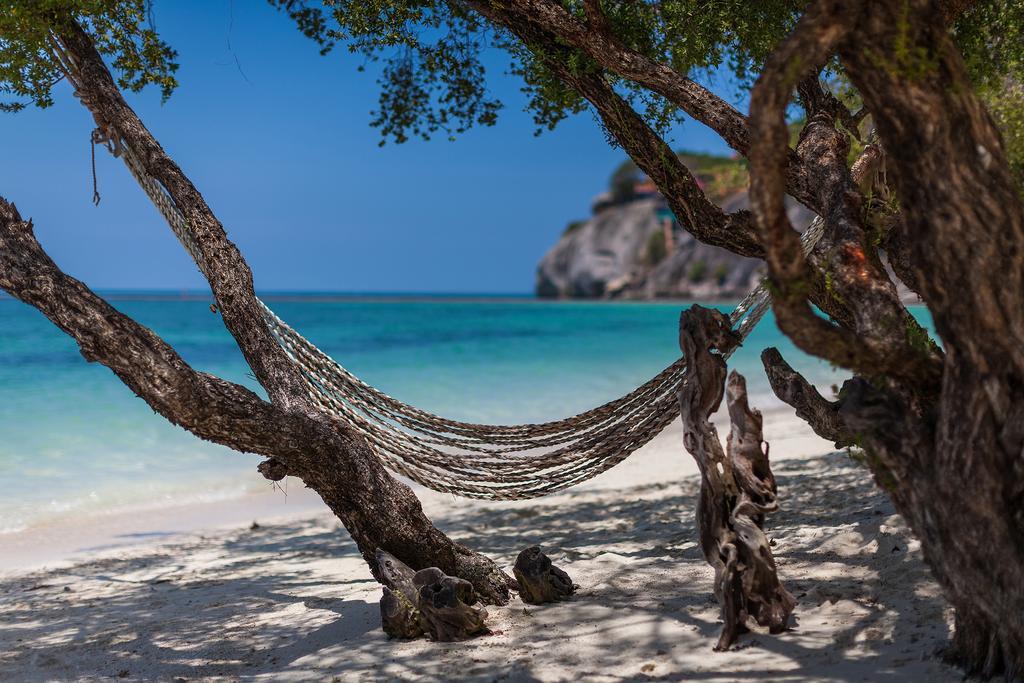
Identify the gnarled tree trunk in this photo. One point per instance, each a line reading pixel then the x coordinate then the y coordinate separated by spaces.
pixel 737 488
pixel 962 488
pixel 948 443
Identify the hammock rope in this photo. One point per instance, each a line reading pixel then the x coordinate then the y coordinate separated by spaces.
pixel 493 462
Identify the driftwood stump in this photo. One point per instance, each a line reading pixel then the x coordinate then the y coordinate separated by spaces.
pixel 539 580
pixel 446 606
pixel 737 488
pixel 427 602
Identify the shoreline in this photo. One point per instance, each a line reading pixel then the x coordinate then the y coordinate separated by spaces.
pixel 63 542
pixel 52 542
pixel 400 297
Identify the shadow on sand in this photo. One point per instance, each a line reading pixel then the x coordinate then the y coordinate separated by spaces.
pixel 294 602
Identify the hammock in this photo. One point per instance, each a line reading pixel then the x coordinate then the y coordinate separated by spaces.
pixel 494 462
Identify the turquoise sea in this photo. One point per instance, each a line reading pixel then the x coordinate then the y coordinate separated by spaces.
pixel 74 440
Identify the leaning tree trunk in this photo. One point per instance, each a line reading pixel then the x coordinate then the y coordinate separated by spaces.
pixel 950 452
pixel 379 512
pixel 737 488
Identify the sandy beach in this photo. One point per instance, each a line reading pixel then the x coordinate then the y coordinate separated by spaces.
pixel 168 598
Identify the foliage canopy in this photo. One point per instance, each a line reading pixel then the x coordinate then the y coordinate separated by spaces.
pixel 435 51
pixel 434 55
pixel 122 31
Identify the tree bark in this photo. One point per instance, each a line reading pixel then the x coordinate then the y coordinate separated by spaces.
pixel 737 488
pixel 963 225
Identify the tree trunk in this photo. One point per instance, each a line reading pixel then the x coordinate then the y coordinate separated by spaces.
pixel 383 513
pixel 962 489
pixel 949 451
pixel 957 476
pixel 964 498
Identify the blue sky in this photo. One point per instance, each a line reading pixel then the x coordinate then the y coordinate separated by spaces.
pixel 286 158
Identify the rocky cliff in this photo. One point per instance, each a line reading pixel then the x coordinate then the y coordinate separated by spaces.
pixel 631 249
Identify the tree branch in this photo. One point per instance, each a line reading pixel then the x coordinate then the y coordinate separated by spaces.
pixel 595 39
pixel 811 407
pixel 706 221
pixel 209 407
pixel 226 270
pixel 949 167
pixel 700 216
pixel 880 342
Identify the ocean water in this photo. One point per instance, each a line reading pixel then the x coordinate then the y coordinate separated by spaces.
pixel 75 441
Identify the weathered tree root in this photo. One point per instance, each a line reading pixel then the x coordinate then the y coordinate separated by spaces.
pixel 737 489
pixel 539 580
pixel 427 602
pixel 446 606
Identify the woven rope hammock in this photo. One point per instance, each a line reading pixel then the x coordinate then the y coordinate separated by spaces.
pixel 495 462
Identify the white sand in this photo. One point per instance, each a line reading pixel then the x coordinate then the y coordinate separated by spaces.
pixel 293 600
